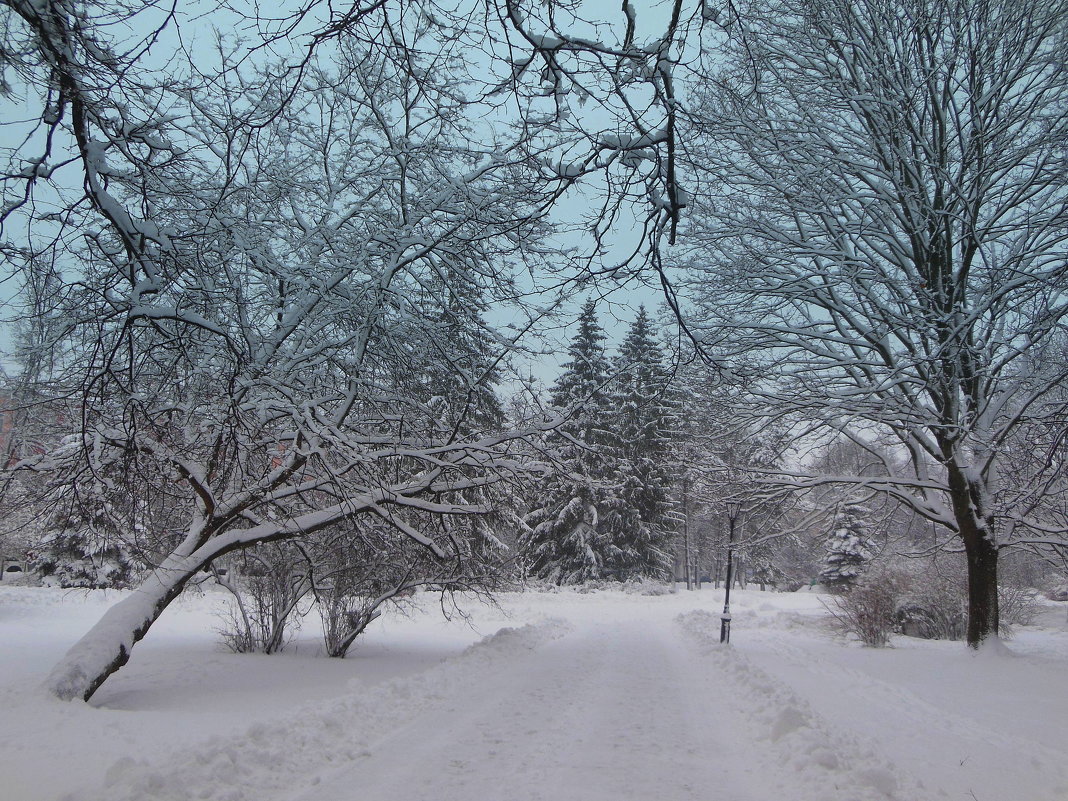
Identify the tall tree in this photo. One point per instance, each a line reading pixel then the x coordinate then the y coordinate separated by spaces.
pixel 462 372
pixel 243 259
pixel 579 392
pixel 886 232
pixel 642 421
pixel 459 370
pixel 566 543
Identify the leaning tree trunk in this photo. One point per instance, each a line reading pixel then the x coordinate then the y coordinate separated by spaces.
pixel 106 646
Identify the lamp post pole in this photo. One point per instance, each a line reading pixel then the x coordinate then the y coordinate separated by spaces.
pixel 686 531
pixel 725 618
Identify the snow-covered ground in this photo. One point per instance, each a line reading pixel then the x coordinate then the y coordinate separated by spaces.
pixel 555 696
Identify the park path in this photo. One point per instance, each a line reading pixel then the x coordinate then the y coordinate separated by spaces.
pixel 644 707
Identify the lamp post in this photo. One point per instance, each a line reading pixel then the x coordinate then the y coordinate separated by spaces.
pixel 725 618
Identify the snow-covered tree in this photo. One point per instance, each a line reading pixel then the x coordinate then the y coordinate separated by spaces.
pixel 91 529
pixel 565 543
pixel 717 457
pixel 884 232
pixel 579 391
pixel 849 549
pixel 462 372
pixel 247 265
pixel 457 376
pixel 73 552
pixel 641 421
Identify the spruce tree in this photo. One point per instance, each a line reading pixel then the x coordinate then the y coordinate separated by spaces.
pixel 580 389
pixel 644 414
pixel 564 543
pixel 460 379
pixel 460 373
pixel 81 546
pixel 849 550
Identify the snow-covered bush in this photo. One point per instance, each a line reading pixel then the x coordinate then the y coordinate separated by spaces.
pixel 81 538
pixel 934 603
pixel 1017 606
pixel 647 586
pixel 868 609
pixel 357 573
pixel 273 580
pixel 76 559
pixel 1058 593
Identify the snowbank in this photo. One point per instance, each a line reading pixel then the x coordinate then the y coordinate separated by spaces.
pixel 620 694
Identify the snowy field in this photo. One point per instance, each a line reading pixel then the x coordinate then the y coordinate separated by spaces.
pixel 600 697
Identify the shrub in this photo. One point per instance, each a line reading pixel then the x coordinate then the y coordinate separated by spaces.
pixel 1017 606
pixel 267 595
pixel 935 606
pixel 647 586
pixel 868 609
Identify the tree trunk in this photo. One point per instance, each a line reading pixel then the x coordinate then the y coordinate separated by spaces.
pixel 974 530
pixel 982 590
pixel 106 646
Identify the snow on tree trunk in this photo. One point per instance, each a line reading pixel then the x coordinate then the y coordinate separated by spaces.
pixel 981 556
pixel 107 646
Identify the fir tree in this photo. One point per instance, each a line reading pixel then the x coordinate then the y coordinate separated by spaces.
pixel 849 550
pixel 80 546
pixel 458 382
pixel 644 415
pixel 565 543
pixel 581 386
pixel 461 375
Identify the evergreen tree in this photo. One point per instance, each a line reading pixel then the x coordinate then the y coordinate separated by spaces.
pixel 763 569
pixel 644 415
pixel 459 371
pixel 565 543
pixel 580 387
pixel 80 546
pixel 849 550
pixel 458 379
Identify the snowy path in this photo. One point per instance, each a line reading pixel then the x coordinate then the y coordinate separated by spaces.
pixel 603 713
pixel 631 709
pixel 641 705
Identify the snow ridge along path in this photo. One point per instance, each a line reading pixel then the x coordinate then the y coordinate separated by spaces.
pixel 634 707
pixel 270 759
